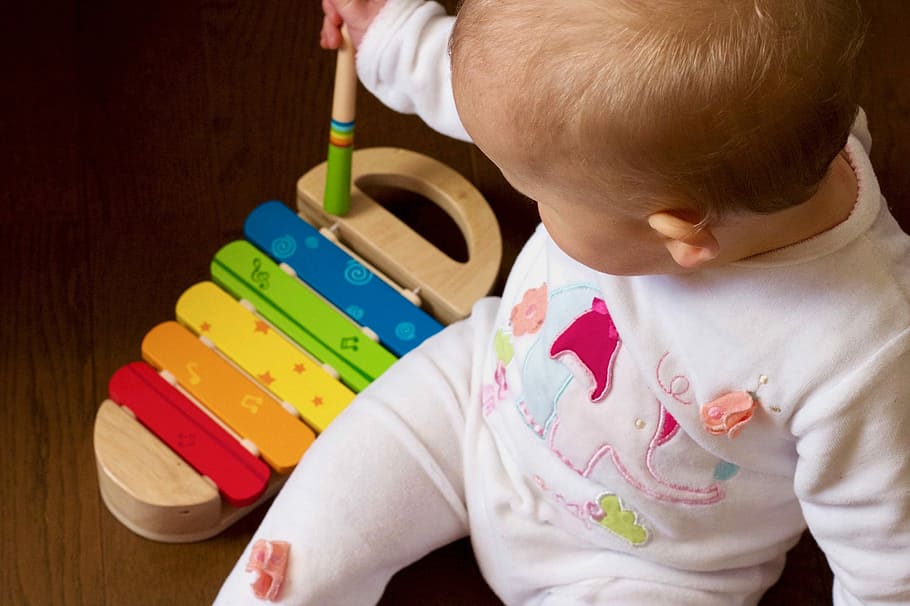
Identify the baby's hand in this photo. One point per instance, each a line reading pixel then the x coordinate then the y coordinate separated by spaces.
pixel 357 14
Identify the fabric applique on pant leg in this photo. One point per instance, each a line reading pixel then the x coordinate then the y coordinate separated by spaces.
pixel 269 560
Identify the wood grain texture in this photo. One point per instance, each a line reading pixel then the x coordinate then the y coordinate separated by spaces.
pixel 448 287
pixel 136 137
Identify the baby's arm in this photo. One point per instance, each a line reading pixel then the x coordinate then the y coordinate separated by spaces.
pixel 853 480
pixel 402 55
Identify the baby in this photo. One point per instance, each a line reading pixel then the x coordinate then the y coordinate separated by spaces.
pixel 702 350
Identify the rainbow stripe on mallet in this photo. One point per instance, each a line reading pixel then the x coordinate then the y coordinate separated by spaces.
pixel 341 134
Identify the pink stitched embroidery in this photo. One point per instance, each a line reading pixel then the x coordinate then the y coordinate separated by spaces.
pixel 675 493
pixel 527 317
pixel 678 385
pixel 488 399
pixel 668 427
pixel 500 377
pixel 594 341
pixel 529 418
pixel 582 511
pixel 666 430
pixel 492 394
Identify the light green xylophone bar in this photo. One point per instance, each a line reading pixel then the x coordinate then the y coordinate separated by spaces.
pixel 301 314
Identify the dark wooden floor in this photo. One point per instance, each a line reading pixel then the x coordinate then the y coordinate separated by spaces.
pixel 134 139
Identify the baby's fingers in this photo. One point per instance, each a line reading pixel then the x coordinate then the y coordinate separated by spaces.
pixel 330 36
pixel 331 12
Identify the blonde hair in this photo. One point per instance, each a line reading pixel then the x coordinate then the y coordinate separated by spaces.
pixel 721 105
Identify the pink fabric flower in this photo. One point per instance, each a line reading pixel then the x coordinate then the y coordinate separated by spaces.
pixel 728 413
pixel 528 316
pixel 268 559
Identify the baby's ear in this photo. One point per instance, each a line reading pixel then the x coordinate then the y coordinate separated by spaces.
pixel 689 245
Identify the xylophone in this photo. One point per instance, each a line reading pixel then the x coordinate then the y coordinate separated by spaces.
pixel 297 318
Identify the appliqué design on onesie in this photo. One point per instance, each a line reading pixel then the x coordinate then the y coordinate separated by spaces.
pixel 559 361
pixel 269 560
pixel 593 339
pixel 527 317
pixel 606 511
pixel 619 520
pixel 728 414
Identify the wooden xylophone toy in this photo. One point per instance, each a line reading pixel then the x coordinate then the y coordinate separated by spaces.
pixel 296 319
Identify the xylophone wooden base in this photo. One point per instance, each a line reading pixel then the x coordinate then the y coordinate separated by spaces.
pixel 165 499
pixel 448 288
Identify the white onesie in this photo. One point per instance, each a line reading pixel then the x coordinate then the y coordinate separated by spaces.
pixel 623 440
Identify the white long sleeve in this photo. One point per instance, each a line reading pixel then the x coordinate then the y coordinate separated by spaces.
pixel 404 60
pixel 852 479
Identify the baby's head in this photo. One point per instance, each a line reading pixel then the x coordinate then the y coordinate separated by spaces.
pixel 705 107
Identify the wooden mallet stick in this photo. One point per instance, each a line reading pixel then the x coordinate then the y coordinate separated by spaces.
pixel 337 198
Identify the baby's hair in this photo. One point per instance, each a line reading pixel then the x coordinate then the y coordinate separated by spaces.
pixel 716 106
